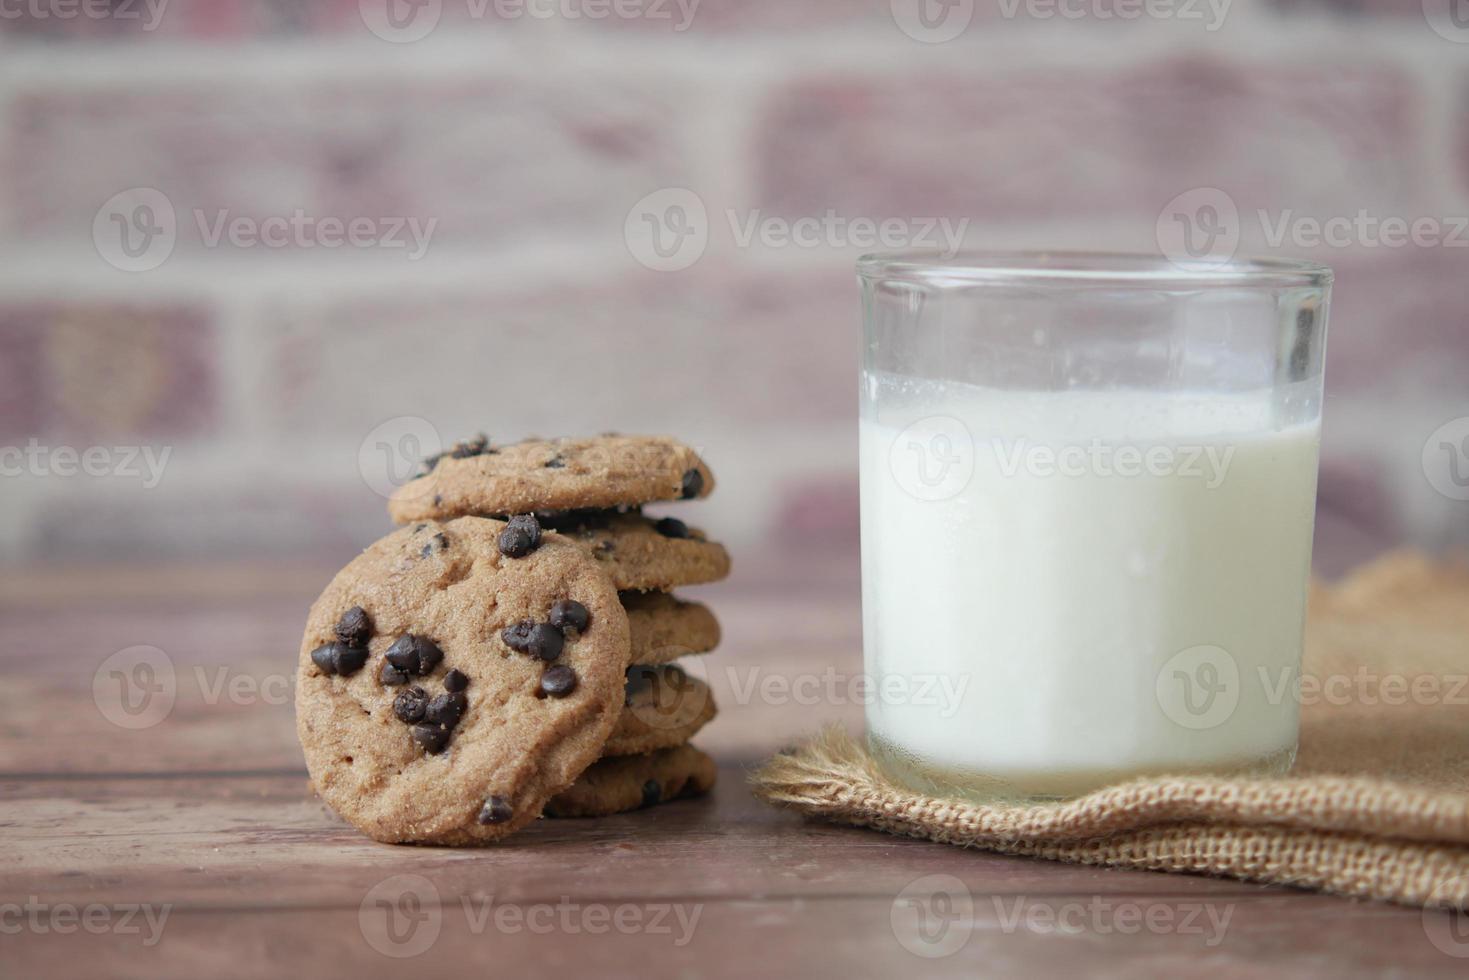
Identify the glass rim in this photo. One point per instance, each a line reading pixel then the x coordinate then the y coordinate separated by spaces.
pixel 1081 268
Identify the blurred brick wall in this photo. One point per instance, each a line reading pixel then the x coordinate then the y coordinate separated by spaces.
pixel 273 374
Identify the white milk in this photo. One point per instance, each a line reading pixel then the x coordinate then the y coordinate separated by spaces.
pixel 1133 603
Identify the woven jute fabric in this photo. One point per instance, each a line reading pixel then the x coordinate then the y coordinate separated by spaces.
pixel 1376 806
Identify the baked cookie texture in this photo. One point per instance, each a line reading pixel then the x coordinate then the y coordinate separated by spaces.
pixel 642 554
pixel 630 782
pixel 663 707
pixel 511 728
pixel 478 477
pixel 664 627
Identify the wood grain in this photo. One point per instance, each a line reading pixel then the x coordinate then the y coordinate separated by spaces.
pixel 206 818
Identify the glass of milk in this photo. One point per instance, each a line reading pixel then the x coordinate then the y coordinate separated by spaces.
pixel 1088 489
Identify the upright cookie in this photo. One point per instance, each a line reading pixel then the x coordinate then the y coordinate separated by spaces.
pixel 454 677
pixel 478 477
pixel 664 628
pixel 663 707
pixel 628 782
pixel 645 554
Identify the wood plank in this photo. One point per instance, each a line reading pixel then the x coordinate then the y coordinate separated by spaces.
pixel 265 841
pixel 993 935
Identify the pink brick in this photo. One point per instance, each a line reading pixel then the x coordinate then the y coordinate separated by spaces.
pixel 693 352
pixel 491 158
pixel 1393 309
pixel 208 20
pixel 108 370
pixel 22 392
pixel 1061 143
pixel 730 16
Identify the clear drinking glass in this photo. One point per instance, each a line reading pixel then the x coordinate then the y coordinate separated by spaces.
pixel 1088 491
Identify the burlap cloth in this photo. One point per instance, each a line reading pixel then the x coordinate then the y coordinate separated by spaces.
pixel 1377 805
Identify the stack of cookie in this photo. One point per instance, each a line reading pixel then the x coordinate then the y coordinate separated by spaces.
pixel 510 651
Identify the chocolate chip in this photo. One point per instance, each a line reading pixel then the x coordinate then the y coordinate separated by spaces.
pixel 355 627
pixel 497 809
pixel 555 463
pixel 429 463
pixel 433 738
pixel 537 639
pixel 324 659
pixel 416 655
pixel 471 447
pixel 517 637
pixel 438 499
pixel 521 536
pixel 409 705
pixel 693 484
pixel 446 709
pixel 570 614
pixel 558 681
pixel 652 792
pixel 349 660
pixel 546 641
pixel 392 676
pixel 638 679
pixel 456 680
pixel 672 527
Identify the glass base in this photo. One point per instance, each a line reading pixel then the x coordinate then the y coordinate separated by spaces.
pixel 1046 787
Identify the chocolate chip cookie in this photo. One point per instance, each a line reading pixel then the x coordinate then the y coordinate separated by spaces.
pixel 645 554
pixel 479 477
pixel 663 707
pixel 453 679
pixel 628 782
pixel 664 628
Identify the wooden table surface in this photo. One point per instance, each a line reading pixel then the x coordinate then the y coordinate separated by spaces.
pixel 186 841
